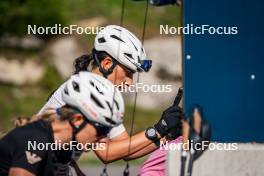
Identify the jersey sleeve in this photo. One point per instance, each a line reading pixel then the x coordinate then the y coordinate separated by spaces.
pixel 31 161
pixel 55 100
pixel 31 146
pixel 115 131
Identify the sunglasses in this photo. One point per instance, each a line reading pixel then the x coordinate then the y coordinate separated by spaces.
pixel 101 130
pixel 146 65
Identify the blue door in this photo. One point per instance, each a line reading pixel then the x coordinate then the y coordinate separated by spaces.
pixel 225 73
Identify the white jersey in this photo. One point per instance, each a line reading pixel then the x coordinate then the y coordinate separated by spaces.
pixel 55 101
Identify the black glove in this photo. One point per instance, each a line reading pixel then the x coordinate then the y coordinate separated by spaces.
pixel 170 121
pixel 175 132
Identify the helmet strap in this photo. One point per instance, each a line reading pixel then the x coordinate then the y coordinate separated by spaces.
pixel 105 72
pixel 76 130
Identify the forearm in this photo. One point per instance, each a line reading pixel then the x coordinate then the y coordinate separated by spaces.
pixel 148 149
pixel 127 148
pixel 115 150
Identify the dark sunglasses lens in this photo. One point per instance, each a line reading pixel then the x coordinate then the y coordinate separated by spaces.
pixel 102 130
pixel 146 65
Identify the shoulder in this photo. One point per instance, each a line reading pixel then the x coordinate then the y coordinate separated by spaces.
pixel 31 146
pixel 39 131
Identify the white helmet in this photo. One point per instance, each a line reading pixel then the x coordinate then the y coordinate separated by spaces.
pixel 123 46
pixel 93 96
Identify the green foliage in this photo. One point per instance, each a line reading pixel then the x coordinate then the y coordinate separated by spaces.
pixel 133 14
pixel 22 101
pixel 19 53
pixel 27 100
pixel 51 80
pixel 17 14
pixel 143 118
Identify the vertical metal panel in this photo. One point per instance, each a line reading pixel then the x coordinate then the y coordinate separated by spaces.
pixel 225 73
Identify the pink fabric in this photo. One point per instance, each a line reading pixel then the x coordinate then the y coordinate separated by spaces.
pixel 155 164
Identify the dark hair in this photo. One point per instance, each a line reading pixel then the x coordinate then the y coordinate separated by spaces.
pixel 82 63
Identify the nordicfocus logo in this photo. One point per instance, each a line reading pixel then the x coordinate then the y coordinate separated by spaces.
pixel 198 146
pixel 58 145
pixel 205 29
pixel 58 29
pixel 141 87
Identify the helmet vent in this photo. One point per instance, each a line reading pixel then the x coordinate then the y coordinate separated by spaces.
pixel 75 86
pixel 116 104
pixel 128 55
pixel 117 29
pixel 132 36
pixel 66 90
pixel 117 38
pixel 92 83
pixel 109 106
pixel 133 45
pixel 110 121
pixel 97 102
pixel 101 40
pixel 99 90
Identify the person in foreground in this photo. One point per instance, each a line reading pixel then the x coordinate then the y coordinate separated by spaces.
pixel 93 106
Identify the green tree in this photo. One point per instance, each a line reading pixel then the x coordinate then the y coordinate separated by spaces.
pixel 16 15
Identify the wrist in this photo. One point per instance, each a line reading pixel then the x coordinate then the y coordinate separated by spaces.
pixel 160 130
pixel 152 134
pixel 158 134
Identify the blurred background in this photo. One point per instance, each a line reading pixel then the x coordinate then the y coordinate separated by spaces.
pixel 32 66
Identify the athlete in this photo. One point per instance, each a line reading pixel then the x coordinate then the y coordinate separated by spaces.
pixel 117 55
pixel 92 107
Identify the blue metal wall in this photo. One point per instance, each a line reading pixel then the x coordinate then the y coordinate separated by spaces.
pixel 220 72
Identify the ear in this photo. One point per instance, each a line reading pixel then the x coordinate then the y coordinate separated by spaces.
pixel 106 63
pixel 77 119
